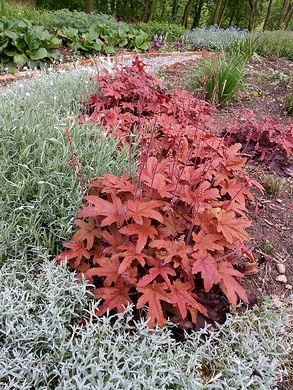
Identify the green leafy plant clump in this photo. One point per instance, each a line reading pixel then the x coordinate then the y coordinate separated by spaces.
pixel 272 44
pixel 22 42
pixel 217 78
pixel 103 38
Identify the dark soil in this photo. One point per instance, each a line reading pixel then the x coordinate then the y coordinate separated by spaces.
pixel 267 83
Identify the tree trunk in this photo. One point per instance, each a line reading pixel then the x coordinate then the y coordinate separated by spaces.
pixel 174 8
pixel 269 11
pixel 186 13
pixel 197 14
pixel 289 18
pixel 133 8
pixel 217 12
pixel 163 10
pixel 233 13
pixel 113 6
pixel 288 15
pixel 145 10
pixel 151 10
pixel 253 8
pixel 223 12
pixel 89 6
pixel 283 13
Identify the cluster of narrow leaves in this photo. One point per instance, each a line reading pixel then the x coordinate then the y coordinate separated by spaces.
pixel 267 140
pixel 175 229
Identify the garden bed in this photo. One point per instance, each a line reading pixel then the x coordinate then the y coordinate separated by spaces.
pixel 267 82
pixel 46 342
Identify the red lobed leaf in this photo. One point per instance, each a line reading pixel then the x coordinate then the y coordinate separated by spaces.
pixel 113 211
pixel 152 295
pixel 116 298
pixel 206 265
pixel 229 285
pixel 184 299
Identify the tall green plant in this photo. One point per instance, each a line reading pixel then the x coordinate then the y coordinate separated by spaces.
pixel 218 78
pixel 246 47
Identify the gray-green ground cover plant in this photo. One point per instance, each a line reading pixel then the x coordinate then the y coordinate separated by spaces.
pixel 49 335
pixel 213 38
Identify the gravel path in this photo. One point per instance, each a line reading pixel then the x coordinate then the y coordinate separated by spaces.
pixel 152 64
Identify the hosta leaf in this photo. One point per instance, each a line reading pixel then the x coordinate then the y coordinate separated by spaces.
pixel 109 49
pixel 11 53
pixel 3 45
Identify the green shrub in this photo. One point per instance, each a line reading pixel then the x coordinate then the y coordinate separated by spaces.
pixel 172 31
pixel 22 42
pixel 79 20
pixel 288 104
pixel 275 44
pixel 245 47
pixel 217 78
pixel 103 38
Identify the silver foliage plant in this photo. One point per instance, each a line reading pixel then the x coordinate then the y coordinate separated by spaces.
pixel 45 342
pixel 213 38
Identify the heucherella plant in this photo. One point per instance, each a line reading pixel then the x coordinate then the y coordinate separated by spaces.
pixel 174 229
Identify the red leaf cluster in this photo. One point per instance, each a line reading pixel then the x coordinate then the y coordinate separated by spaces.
pixel 132 99
pixel 178 225
pixel 267 140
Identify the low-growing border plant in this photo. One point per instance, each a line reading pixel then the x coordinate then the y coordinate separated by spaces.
pixel 168 235
pixel 266 139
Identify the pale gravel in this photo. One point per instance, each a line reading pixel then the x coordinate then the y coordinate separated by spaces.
pixel 153 64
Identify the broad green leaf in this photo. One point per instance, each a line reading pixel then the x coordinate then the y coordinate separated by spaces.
pixel 39 54
pixel 20 44
pixel 3 45
pixel 54 43
pixel 11 53
pixel 109 49
pixel 11 34
pixel 32 41
pixel 20 60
